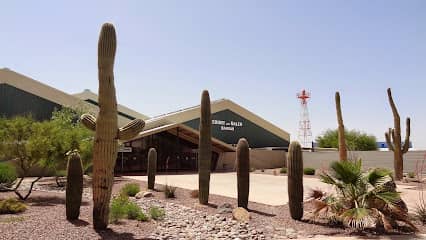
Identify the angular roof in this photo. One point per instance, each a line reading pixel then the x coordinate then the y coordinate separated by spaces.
pixel 187 114
pixel 42 90
pixel 186 133
pixel 89 95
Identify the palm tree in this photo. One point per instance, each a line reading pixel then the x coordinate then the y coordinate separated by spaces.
pixel 360 199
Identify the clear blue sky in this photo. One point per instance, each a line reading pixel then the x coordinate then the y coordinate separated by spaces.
pixel 257 53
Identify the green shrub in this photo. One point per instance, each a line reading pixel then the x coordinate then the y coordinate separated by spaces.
pixel 157 213
pixel 130 189
pixel 283 170
pixel 11 205
pixel 252 169
pixel 7 174
pixel 122 207
pixel 118 209
pixel 134 211
pixel 411 175
pixel 309 171
pixel 169 191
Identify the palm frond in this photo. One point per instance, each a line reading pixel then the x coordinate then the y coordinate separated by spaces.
pixel 358 218
pixel 378 175
pixel 347 171
pixel 383 219
pixel 390 198
pixel 315 194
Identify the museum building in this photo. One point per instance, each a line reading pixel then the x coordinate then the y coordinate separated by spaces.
pixel 174 135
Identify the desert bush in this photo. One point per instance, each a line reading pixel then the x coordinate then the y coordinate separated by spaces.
pixel 7 175
pixel 283 170
pixel 157 213
pixel 309 171
pixel 134 211
pixel 118 209
pixel 121 207
pixel 411 175
pixel 169 191
pixel 11 205
pixel 130 189
pixel 420 212
pixel 361 199
pixel 252 169
pixel 194 193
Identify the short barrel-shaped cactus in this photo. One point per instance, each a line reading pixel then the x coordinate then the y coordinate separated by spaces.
pixel 74 188
pixel 152 167
pixel 243 172
pixel 295 180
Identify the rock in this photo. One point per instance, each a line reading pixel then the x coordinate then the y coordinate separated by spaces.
pixel 147 194
pixel 139 195
pixel 241 214
pixel 224 208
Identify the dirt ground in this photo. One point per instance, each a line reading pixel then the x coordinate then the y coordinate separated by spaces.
pixel 45 217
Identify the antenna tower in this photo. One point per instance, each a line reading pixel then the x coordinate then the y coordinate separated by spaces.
pixel 305 132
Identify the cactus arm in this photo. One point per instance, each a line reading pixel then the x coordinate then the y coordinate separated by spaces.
pixel 88 121
pixel 407 137
pixel 131 129
pixel 392 104
pixel 388 139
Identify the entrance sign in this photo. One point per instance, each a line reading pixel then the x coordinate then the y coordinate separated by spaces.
pixel 227 126
pixel 125 149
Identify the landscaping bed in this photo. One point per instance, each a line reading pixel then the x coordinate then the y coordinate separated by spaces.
pixel 185 218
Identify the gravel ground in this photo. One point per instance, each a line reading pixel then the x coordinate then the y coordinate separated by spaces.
pixel 185 219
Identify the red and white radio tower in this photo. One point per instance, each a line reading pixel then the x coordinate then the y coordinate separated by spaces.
pixel 305 132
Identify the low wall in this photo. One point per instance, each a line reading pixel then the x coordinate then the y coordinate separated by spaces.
pixel 264 159
pixel 370 159
pixel 259 159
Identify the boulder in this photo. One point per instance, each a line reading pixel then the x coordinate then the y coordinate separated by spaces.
pixel 139 195
pixel 147 194
pixel 240 214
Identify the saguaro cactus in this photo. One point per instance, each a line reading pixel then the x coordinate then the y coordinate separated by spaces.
pixel 204 149
pixel 343 155
pixel 243 172
pixel 105 125
pixel 295 180
pixel 74 188
pixel 152 167
pixel 393 139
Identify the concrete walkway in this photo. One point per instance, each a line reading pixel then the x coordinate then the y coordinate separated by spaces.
pixel 266 189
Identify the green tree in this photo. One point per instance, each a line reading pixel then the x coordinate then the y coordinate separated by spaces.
pixel 43 144
pixel 355 140
pixel 22 139
pixel 68 134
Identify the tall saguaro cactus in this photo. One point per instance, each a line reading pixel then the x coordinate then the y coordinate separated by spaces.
pixel 243 172
pixel 74 188
pixel 152 167
pixel 393 139
pixel 343 155
pixel 295 180
pixel 204 149
pixel 105 125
